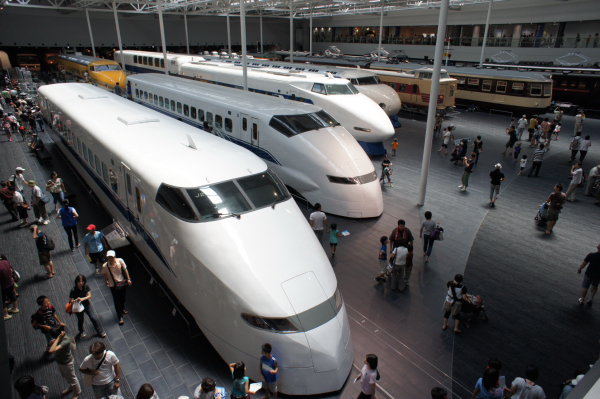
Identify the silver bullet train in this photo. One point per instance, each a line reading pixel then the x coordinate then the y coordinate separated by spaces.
pixel 306 147
pixel 148 61
pixel 219 228
pixel 363 118
pixel 366 82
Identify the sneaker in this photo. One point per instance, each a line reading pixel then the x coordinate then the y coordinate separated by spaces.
pixel 72 249
pixel 46 221
pixel 13 311
pixel 40 220
pixel 97 272
pixel 406 282
pixel 102 334
pixel 7 317
pixel 82 334
pixel 391 185
pixel 580 302
pixel 121 322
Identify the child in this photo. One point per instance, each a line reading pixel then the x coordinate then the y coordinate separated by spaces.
pixel 45 318
pixel 334 233
pixel 535 138
pixel 557 130
pixel 516 151
pixel 207 390
pixel 268 370
pixel 523 164
pixel 409 264
pixel 394 146
pixel 382 259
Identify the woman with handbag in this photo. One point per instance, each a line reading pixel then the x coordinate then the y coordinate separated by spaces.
pixel 117 278
pixel 81 294
pixel 57 188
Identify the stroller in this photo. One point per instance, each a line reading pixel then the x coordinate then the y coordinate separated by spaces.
pixel 472 308
pixel 541 216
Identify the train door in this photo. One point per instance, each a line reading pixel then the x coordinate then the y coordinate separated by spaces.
pixel 255 134
pixel 414 95
pixel 140 206
pixel 129 198
pixel 245 129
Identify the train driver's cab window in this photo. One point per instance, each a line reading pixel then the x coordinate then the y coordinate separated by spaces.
pixel 218 121
pixel 228 125
pixel 105 173
pixel 501 86
pixel 487 85
pixel 536 89
pixel 173 105
pixel 209 118
pixel 161 101
pixel 319 88
pixel 186 110
pixel 200 115
pixel 145 60
pixel 114 180
pixel 193 113
pixel 179 108
pixel 174 201
pixel 137 93
pixel 425 75
pixel 547 90
pixel 517 88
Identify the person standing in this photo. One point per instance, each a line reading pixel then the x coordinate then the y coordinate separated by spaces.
pixel 401 236
pixel 574 146
pixel 592 177
pixel 521 126
pixel 576 180
pixel 63 347
pixel 268 370
pixel 469 164
pixel 104 368
pixel 118 89
pixel 512 139
pixel 18 180
pixel 28 389
pixel 117 279
pixel 447 137
pixel 497 177
pixel 558 114
pixel 526 388
pixel 21 207
pixel 394 147
pixel 318 222
pixel 94 243
pixel 457 293
pixel 533 122
pixel 8 289
pixel 477 148
pixel 45 318
pixel 538 158
pixel 579 118
pixel 487 387
pixel 583 148
pixel 591 276
pixel 368 378
pixel 427 227
pixel 386 163
pixel 40 119
pixel 398 273
pixel 39 206
pixel 556 200
pixel 81 293
pixel 57 188
pixel 68 216
pixel 7 193
pixel 44 245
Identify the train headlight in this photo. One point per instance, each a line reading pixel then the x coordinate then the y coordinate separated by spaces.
pixel 344 180
pixel 382 105
pixel 282 325
pixel 362 129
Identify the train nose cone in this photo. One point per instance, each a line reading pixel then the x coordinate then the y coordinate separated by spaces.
pixel 369 122
pixel 384 96
pixel 326 346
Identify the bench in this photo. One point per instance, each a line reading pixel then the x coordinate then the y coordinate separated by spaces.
pixel 43 155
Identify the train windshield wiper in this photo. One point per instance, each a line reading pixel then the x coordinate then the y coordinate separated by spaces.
pixel 277 201
pixel 220 215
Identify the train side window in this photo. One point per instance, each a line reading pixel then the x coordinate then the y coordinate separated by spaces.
pixel 137 93
pixel 128 183
pixel 114 180
pixel 98 167
pixel 150 98
pixel 487 85
pixel 517 88
pixel 161 101
pixel 146 96
pixel 138 199
pixel 155 99
pixel 186 110
pixel 501 86
pixel 193 113
pixel 85 152
pixel 218 121
pixel 547 90
pixel 209 118
pixel 401 88
pixel 536 89
pixel 145 60
pixel 105 173
pixel 174 200
pixel 172 105
pixel 473 83
pixel 178 107
pixel 91 157
pixel 581 85
pixel 228 125
pixel 415 89
pixel 244 124
pixel 135 59
pixel 166 103
pixel 79 145
pixel 319 88
pixel 254 131
pixel 572 83
pixel 156 62
pixel 200 115
pixel 162 64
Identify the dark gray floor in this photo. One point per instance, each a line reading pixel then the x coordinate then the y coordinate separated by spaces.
pixel 403 329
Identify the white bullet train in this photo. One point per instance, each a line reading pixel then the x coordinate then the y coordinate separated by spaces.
pixel 366 82
pixel 363 118
pixel 218 227
pixel 306 147
pixel 148 61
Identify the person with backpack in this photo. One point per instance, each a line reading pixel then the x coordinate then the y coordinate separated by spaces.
pixel 574 146
pixel 368 377
pixel 44 245
pixel 17 180
pixel 68 215
pixel 63 347
pixel 457 293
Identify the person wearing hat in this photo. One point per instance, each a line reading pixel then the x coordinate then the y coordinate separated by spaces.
pixel 94 242
pixel 18 180
pixel 39 207
pixel 497 177
pixel 117 279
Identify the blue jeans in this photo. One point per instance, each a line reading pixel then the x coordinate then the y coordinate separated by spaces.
pixel 58 198
pixel 90 312
pixel 428 244
pixel 104 391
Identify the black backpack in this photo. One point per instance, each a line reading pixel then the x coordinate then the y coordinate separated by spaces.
pixel 49 244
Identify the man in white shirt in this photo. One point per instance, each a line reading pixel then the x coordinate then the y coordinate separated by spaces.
pixel 593 175
pixel 39 207
pixel 103 367
pixel 18 180
pixel 318 222
pixel 521 126
pixel 579 118
pixel 577 174
pixel 398 255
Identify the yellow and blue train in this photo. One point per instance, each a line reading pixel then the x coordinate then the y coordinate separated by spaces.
pixel 103 73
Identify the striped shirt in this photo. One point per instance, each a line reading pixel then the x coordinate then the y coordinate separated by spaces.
pixel 538 155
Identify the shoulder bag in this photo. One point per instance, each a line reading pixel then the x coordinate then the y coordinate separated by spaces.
pixel 121 285
pixel 87 379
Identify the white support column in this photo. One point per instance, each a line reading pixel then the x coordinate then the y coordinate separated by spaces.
pixel 291 30
pixel 187 38
pixel 380 30
pixel 243 29
pixel 119 36
pixel 435 88
pixel 228 34
pixel 87 15
pixel 311 29
pixel 261 35
pixel 485 34
pixel 162 36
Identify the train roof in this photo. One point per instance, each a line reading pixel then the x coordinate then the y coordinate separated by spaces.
pixel 242 101
pixel 170 56
pixel 408 74
pixel 155 146
pixel 476 72
pixel 348 72
pixel 83 59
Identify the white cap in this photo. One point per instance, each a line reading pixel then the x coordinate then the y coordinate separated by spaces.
pixel 20 169
pixel 111 254
pixel 498 166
